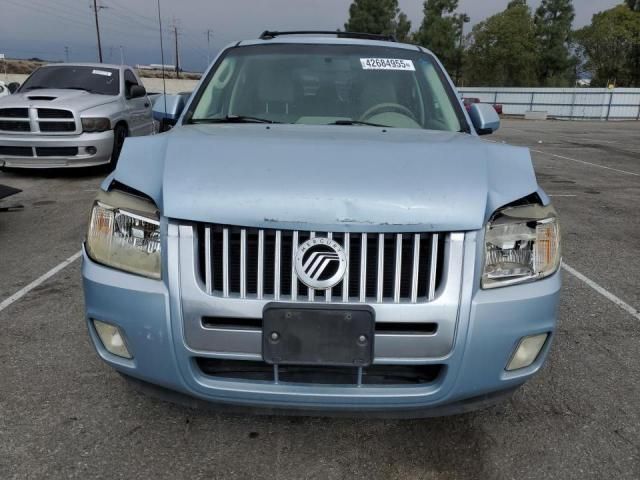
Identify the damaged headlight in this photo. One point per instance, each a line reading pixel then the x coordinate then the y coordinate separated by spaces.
pixel 124 233
pixel 521 244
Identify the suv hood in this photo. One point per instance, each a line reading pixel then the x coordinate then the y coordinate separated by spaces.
pixel 56 98
pixel 337 178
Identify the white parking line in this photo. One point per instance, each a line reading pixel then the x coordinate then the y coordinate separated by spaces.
pixel 560 195
pixel 586 163
pixel 38 281
pixel 602 291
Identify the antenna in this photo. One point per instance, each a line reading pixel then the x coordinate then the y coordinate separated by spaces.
pixel 164 82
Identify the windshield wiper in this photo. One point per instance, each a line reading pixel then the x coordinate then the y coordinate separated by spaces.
pixel 84 89
pixel 35 87
pixel 358 122
pixel 233 119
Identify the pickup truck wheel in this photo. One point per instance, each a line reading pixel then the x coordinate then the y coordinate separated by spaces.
pixel 119 135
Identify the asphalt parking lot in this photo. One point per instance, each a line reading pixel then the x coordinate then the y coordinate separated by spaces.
pixel 63 414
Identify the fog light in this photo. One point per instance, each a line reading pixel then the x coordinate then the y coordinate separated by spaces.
pixel 91 150
pixel 527 351
pixel 112 339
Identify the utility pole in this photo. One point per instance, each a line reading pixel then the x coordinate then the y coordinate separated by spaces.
pixel 463 18
pixel 208 48
pixel 121 55
pixel 66 54
pixel 175 34
pixel 95 12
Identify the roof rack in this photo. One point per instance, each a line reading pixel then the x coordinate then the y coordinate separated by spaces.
pixel 269 35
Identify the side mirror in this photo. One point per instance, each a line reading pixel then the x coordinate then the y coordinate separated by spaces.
pixel 484 117
pixel 137 91
pixel 174 105
pixel 13 87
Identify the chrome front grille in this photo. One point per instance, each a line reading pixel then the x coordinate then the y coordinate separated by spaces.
pixel 259 264
pixel 37 120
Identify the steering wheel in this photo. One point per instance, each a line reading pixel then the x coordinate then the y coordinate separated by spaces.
pixel 387 107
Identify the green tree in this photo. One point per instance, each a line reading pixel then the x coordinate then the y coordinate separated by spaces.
pixel 379 17
pixel 553 20
pixel 441 31
pixel 403 27
pixel 633 5
pixel 503 49
pixel 611 47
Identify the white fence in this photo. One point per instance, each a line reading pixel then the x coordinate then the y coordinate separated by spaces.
pixel 568 103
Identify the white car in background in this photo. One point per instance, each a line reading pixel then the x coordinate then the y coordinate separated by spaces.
pixel 72 115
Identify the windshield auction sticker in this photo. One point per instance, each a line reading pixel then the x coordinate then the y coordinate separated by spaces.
pixel 104 73
pixel 387 64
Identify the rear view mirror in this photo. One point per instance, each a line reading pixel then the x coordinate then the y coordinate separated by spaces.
pixel 168 116
pixel 13 87
pixel 484 117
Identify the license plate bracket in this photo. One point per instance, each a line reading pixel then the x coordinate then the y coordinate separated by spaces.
pixel 318 335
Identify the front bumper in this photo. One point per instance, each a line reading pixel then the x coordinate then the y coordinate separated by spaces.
pixel 488 328
pixel 102 142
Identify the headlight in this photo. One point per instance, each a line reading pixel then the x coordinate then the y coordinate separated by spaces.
pixel 124 233
pixel 96 124
pixel 521 244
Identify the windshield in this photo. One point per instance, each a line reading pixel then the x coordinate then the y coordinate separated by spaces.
pixel 105 81
pixel 328 85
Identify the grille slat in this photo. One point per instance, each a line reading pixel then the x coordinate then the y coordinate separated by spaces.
pixel 346 245
pixel 416 268
pixel 380 272
pixel 225 262
pixel 398 272
pixel 434 266
pixel 243 263
pixel 276 265
pixel 208 265
pixel 260 264
pixel 294 278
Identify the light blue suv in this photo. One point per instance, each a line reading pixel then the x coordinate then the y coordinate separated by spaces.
pixel 321 231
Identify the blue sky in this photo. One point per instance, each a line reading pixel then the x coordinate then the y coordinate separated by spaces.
pixel 42 28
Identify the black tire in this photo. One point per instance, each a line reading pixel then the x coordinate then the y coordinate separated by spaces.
pixel 120 133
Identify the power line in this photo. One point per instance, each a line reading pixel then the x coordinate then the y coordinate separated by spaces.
pixel 50 13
